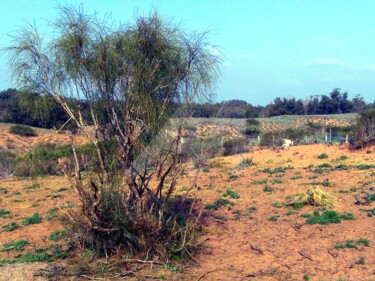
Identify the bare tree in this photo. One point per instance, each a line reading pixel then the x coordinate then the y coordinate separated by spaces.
pixel 132 77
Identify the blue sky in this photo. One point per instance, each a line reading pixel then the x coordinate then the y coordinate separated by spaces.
pixel 271 48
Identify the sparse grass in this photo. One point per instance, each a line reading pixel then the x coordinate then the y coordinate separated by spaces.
pixel 34 219
pixel 4 213
pixel 33 257
pixel 231 194
pixel 16 246
pixel 370 212
pixel 62 189
pixel 10 227
pixel 57 235
pixel 365 166
pixel 219 203
pixel 277 181
pixel 328 217
pixel 233 177
pixel 220 218
pixel 273 218
pixel 289 213
pixel 260 182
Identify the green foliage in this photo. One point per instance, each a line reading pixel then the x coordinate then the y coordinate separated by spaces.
pixel 323 156
pixel 268 189
pixel 219 203
pixel 364 131
pixel 360 261
pixel 234 146
pixel 10 227
pixel 306 277
pixel 252 131
pixel 57 235
pixel 365 166
pixel 273 218
pixel 34 219
pixel 370 197
pixel 33 257
pixel 4 213
pixel 17 246
pixel 231 194
pixel 328 217
pixel 22 130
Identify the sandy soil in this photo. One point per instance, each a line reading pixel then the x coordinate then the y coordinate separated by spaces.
pixel 241 243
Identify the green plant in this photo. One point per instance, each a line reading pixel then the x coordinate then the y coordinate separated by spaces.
pixel 4 213
pixel 273 218
pixel 34 257
pixel 57 235
pixel 264 181
pixel 277 181
pixel 268 189
pixel 363 241
pixel 327 217
pixel 360 261
pixel 365 166
pixel 34 219
pixel 370 197
pixel 10 227
pixel 234 146
pixel 233 177
pixel 231 194
pixel 22 130
pixel 323 156
pixel 219 203
pixel 306 277
pixel 289 213
pixel 17 246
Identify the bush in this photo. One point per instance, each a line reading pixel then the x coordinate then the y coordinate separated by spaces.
pixel 22 130
pixel 234 146
pixel 252 122
pixel 364 131
pixel 252 131
pixel 275 138
pixel 171 237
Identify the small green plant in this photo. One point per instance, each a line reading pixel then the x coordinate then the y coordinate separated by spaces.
pixel 370 197
pixel 273 218
pixel 218 203
pixel 328 217
pixel 3 190
pixel 363 241
pixel 349 244
pixel 173 268
pixel 221 218
pixel 277 181
pixel 16 246
pixel 360 261
pixel 22 130
pixel 247 162
pixel 289 213
pixel 62 189
pixel 231 194
pixel 10 227
pixel 33 257
pixel 233 177
pixel 57 235
pixel 365 166
pixel 4 213
pixel 34 219
pixel 323 156
pixel 306 277
pixel 259 181
pixel 370 212
pixel 268 189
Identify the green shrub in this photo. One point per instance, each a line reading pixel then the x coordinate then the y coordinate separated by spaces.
pixel 252 131
pixel 364 131
pixel 10 227
pixel 234 146
pixel 328 217
pixel 57 235
pixel 323 156
pixel 22 130
pixel 34 219
pixel 17 246
pixel 231 194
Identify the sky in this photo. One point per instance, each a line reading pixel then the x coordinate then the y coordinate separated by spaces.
pixel 279 48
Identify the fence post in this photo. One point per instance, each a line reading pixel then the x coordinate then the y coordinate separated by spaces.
pixel 346 139
pixel 326 138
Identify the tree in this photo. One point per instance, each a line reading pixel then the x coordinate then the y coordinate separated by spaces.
pixel 131 77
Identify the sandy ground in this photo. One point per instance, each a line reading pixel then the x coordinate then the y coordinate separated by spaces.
pixel 241 243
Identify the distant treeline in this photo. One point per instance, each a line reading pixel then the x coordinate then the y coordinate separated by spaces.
pixel 333 103
pixel 40 111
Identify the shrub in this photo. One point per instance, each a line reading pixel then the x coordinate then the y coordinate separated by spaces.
pixel 252 131
pixel 364 131
pixel 22 130
pixel 328 217
pixel 234 146
pixel 323 156
pixel 34 219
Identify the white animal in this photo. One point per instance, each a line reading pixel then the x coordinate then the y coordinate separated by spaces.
pixel 287 143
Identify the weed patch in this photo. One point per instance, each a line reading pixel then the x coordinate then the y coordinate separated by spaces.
pixel 328 217
pixel 16 246
pixel 34 219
